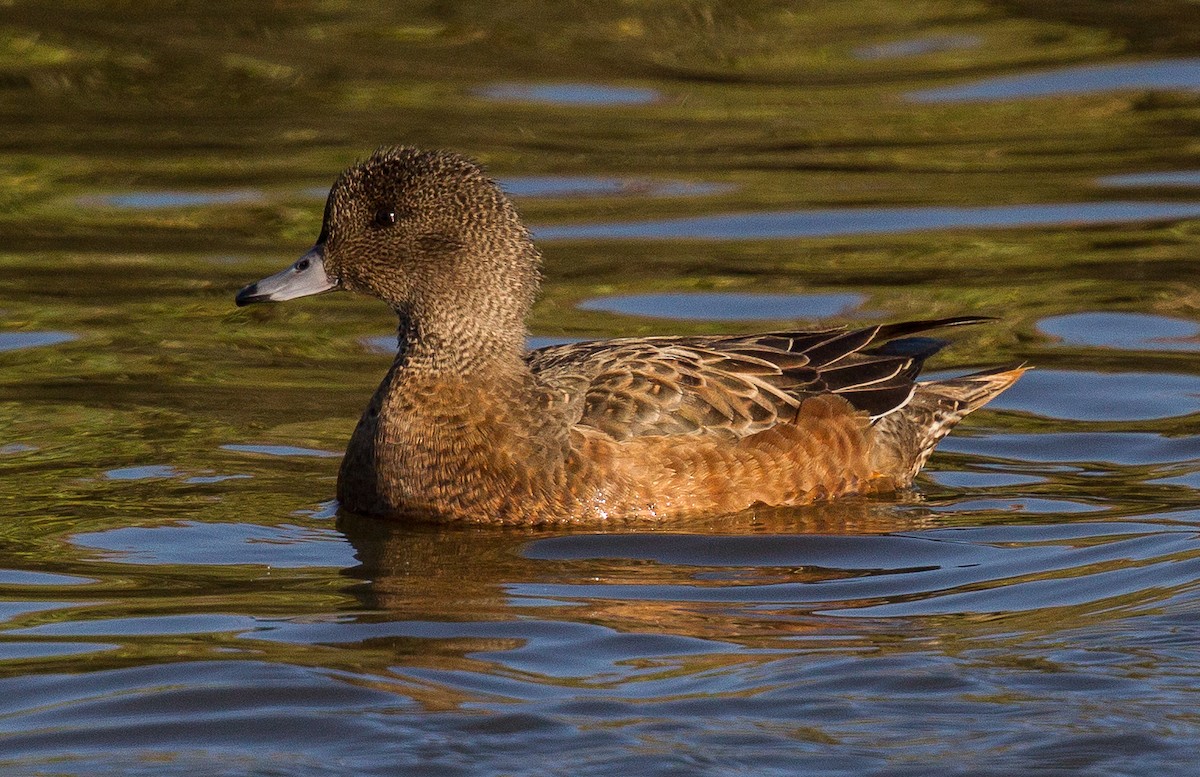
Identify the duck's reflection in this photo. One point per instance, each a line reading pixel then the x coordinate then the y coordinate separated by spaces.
pixel 665 579
pixel 456 614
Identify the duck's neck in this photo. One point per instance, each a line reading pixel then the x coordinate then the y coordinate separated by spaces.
pixel 436 346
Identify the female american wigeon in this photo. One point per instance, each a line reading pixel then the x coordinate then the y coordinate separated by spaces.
pixel 468 426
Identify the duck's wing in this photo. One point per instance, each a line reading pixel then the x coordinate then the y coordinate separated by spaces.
pixel 733 386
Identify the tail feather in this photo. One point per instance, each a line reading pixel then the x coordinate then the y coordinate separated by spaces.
pixel 905 438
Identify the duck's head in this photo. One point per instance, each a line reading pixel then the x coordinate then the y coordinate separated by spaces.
pixel 431 235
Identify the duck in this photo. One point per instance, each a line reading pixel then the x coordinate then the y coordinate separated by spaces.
pixel 468 426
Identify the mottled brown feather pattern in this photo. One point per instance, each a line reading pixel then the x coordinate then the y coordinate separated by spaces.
pixel 467 427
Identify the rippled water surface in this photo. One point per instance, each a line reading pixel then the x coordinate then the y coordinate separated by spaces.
pixel 180 594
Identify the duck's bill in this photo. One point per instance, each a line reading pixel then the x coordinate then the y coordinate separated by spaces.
pixel 305 277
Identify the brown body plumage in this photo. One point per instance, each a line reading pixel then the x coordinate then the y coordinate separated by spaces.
pixel 466 426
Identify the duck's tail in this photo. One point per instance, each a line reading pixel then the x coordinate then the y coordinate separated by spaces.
pixel 905 438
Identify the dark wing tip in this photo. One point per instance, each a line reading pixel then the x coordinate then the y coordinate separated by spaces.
pixel 904 328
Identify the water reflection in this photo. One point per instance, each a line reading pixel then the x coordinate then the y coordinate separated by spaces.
pixel 562 186
pixel 410 568
pixel 13 610
pixel 866 221
pixel 165 200
pixel 914 47
pixel 22 577
pixel 1181 74
pixel 1082 448
pixel 1101 566
pixel 15 341
pixel 974 479
pixel 24 651
pixel 1127 331
pixel 571 94
pixel 158 716
pixel 282 450
pixel 728 306
pixel 1058 509
pixel 218 543
pixel 1181 178
pixel 1095 396
pixel 146 472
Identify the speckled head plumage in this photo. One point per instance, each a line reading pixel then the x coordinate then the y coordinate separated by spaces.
pixel 430 234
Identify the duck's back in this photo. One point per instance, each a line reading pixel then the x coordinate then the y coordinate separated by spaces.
pixel 734 386
pixel 724 423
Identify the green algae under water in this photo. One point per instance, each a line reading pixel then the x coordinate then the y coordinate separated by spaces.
pixel 179 594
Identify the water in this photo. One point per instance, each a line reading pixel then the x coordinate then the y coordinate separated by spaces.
pixel 571 94
pixel 13 341
pixel 179 593
pixel 1181 74
pixel 604 186
pixel 1190 178
pixel 167 200
pixel 851 221
pixel 1124 331
pixel 725 306
pixel 917 46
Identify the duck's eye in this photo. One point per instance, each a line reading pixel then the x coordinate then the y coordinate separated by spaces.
pixel 385 217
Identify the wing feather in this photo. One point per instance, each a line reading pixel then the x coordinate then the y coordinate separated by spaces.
pixel 737 385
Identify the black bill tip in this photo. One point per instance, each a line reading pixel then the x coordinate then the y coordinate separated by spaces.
pixel 249 295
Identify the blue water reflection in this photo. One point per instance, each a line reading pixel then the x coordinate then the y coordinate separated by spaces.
pixel 281 450
pixel 559 186
pixel 961 479
pixel 21 651
pixel 1179 178
pixel 23 577
pixel 570 94
pixel 913 47
pixel 143 472
pixel 728 306
pixel 1098 396
pixel 164 200
pixel 866 221
pixel 1127 331
pixel 1183 74
pixel 16 341
pixel 219 544
pixel 1082 449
